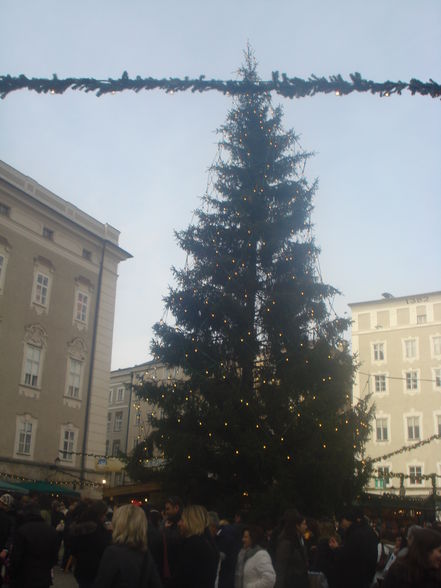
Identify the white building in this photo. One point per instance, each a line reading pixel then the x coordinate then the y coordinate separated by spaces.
pixel 398 344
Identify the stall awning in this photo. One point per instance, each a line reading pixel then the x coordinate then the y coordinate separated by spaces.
pixel 49 488
pixel 12 488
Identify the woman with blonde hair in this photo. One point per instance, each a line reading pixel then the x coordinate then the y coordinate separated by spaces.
pixel 198 556
pixel 127 563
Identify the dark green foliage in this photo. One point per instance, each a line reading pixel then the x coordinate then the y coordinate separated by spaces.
pixel 264 415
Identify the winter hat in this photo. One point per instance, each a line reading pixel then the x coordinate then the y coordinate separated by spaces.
pixel 7 500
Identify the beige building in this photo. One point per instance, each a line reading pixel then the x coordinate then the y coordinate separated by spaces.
pixel 128 416
pixel 398 344
pixel 58 274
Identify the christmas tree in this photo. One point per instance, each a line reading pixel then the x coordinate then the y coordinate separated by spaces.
pixel 263 415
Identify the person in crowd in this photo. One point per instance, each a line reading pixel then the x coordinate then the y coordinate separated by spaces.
pixel 228 543
pixel 421 566
pixel 88 538
pixel 197 560
pixel 70 518
pixel 324 557
pixel 399 545
pixel 356 559
pixel 7 526
pixel 171 537
pixel 154 535
pixel 57 520
pixel 254 568
pixel 128 563
pixel 291 559
pixel 34 551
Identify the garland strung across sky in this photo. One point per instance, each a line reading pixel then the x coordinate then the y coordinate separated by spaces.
pixel 280 83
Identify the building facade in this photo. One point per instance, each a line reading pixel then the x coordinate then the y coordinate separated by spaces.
pixel 128 416
pixel 397 342
pixel 58 274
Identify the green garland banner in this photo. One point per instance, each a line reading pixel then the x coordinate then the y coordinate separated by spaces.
pixel 279 83
pixel 404 449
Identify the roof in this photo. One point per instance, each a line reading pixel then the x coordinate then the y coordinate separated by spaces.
pixel 395 299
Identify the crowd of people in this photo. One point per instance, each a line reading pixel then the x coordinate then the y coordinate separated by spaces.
pixel 138 546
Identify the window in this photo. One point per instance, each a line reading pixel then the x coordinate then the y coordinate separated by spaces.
pixel 24 438
pixel 35 342
pixel 117 423
pixel 4 210
pixel 415 473
pixel 107 446
pixel 437 377
pixel 110 396
pixel 25 434
pixel 380 383
pixel 120 395
pixel 421 319
pixel 410 348
pixel 32 366
pixel 436 345
pixel 3 264
pixel 438 422
pixel 411 380
pixel 378 349
pixel 68 445
pixel 116 447
pixel 109 420
pixel 413 428
pixel 81 307
pixel 381 427
pixel 41 289
pixel 87 254
pixel 68 442
pixel 382 480
pixel 118 479
pixel 74 378
pixel 48 233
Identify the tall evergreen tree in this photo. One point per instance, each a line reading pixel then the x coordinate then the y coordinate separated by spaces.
pixel 264 413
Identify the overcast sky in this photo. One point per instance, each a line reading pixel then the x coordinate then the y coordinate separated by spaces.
pixel 139 161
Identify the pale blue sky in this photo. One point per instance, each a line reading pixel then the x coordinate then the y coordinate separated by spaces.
pixel 139 161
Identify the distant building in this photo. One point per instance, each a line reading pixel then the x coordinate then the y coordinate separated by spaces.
pixel 128 416
pixel 58 274
pixel 398 344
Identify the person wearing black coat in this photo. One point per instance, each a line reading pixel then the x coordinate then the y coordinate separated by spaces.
pixel 88 539
pixel 356 559
pixel 34 551
pixel 291 559
pixel 197 562
pixel 128 563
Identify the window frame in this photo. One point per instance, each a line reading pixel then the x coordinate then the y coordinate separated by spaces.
pixel 378 351
pixel 415 483
pixel 413 342
pixel 118 421
pixel 380 379
pixel 25 419
pixel 415 426
pixel 385 421
pixel 68 454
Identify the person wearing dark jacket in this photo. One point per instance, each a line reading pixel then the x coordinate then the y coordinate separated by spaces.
pixel 198 557
pixel 128 563
pixel 34 551
pixel 88 539
pixel 421 566
pixel 291 559
pixel 356 559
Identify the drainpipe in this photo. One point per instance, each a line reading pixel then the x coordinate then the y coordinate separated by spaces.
pixel 128 420
pixel 92 365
